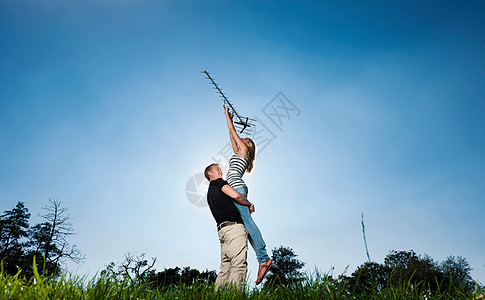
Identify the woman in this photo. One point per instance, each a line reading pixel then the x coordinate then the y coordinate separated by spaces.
pixel 241 161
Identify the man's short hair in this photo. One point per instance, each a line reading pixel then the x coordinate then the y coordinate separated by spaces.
pixel 208 169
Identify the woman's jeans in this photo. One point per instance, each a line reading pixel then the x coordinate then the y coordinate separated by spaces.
pixel 255 237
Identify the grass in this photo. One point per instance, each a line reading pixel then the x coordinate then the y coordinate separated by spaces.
pixel 314 286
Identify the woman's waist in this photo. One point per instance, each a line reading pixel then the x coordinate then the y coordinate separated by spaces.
pixel 237 179
pixel 235 173
pixel 239 186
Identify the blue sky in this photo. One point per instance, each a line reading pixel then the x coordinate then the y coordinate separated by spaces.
pixel 104 108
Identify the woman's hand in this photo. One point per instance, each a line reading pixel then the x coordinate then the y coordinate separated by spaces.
pixel 226 110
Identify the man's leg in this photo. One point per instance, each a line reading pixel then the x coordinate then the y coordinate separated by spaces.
pixel 237 249
pixel 223 276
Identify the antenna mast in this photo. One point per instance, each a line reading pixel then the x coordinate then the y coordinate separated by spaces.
pixel 243 122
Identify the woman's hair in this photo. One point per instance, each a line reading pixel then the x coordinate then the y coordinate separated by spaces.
pixel 251 156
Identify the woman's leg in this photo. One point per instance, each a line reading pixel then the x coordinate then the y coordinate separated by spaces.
pixel 255 237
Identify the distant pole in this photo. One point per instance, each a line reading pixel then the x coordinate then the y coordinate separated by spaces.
pixel 365 242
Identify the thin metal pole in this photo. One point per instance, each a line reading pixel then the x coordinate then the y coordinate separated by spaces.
pixel 222 94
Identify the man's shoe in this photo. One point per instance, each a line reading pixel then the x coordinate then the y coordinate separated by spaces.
pixel 263 269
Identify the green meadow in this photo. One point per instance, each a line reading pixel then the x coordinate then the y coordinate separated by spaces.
pixel 311 286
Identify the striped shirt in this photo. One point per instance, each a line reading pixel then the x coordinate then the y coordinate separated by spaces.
pixel 237 167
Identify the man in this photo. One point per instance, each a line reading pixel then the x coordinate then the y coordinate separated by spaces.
pixel 230 228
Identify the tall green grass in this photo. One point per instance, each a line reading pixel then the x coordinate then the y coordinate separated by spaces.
pixel 313 286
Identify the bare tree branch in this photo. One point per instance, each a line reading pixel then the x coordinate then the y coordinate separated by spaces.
pixel 57 247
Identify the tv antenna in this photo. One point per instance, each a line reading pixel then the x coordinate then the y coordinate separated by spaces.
pixel 241 123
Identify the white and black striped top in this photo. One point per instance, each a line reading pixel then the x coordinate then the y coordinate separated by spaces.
pixel 237 167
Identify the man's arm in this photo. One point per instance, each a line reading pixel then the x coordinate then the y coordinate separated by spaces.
pixel 228 190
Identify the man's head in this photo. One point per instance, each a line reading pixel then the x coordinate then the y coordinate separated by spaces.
pixel 213 172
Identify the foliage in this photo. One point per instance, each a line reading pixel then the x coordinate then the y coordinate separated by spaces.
pixel 369 277
pixel 46 241
pixel 403 275
pixel 133 268
pixel 14 225
pixel 456 271
pixel 285 269
pixel 185 276
pixel 315 286
pixel 407 268
pixel 138 269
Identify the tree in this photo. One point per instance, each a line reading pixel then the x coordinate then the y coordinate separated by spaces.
pixel 190 276
pixel 166 277
pixel 369 277
pixel 176 276
pixel 133 268
pixel 14 225
pixel 40 238
pixel 48 241
pixel 41 245
pixel 137 268
pixel 285 269
pixel 208 276
pixel 406 266
pixel 456 271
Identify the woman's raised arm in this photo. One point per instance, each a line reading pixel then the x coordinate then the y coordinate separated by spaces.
pixel 238 145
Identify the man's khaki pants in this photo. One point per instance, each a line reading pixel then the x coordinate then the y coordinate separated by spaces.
pixel 234 250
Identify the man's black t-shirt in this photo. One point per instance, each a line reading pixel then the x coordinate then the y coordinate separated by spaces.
pixel 221 205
